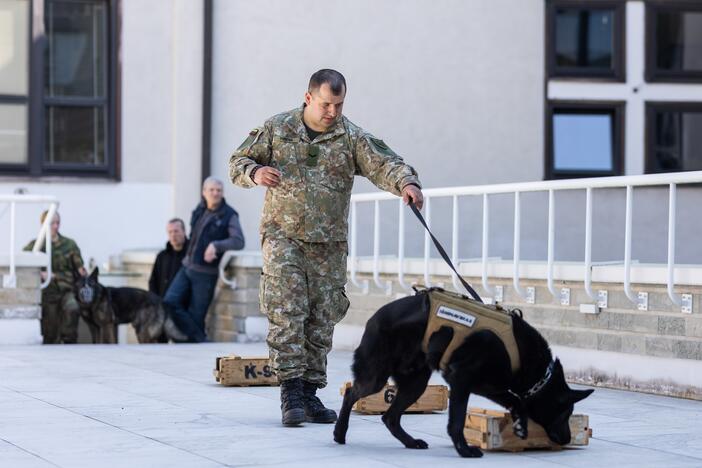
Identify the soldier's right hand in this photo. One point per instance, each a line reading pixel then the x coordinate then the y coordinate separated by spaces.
pixel 267 176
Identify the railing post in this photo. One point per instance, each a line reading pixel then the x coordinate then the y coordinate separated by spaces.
pixel 376 250
pixel 486 226
pixel 588 243
pixel 401 247
pixel 627 245
pixel 454 243
pixel 549 249
pixel 517 241
pixel 362 286
pixel 672 202
pixel 427 218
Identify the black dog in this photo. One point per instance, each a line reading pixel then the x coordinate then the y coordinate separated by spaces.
pixel 392 347
pixel 104 307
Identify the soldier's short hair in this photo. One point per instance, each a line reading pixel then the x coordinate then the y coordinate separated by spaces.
pixel 177 220
pixel 44 214
pixel 333 78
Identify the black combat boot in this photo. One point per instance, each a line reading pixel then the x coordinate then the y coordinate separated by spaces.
pixel 315 412
pixel 291 402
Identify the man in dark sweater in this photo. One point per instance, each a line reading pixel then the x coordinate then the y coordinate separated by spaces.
pixel 169 260
pixel 214 229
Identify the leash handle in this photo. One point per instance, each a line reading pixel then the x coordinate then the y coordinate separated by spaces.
pixel 443 253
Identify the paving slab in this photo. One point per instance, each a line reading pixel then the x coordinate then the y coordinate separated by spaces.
pixel 159 406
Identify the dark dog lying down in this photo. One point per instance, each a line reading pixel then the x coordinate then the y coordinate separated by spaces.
pixel 392 347
pixel 103 308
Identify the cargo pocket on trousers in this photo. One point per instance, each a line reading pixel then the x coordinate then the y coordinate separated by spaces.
pixel 341 305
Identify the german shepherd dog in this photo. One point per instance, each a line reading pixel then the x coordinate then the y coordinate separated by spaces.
pixel 392 347
pixel 103 308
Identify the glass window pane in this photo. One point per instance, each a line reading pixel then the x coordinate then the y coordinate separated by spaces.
pixel 76 35
pixel 13 134
pixel 14 46
pixel 75 135
pixel 584 38
pixel 582 141
pixel 679 40
pixel 678 141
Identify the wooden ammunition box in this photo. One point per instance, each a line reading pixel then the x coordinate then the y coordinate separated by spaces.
pixel 435 398
pixel 492 430
pixel 238 371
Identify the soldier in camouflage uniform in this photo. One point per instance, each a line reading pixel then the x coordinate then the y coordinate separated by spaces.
pixel 307 158
pixel 59 309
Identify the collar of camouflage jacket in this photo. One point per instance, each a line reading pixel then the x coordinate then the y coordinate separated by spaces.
pixel 294 127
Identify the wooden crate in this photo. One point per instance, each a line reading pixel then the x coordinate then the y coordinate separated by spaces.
pixel 435 398
pixel 492 430
pixel 238 371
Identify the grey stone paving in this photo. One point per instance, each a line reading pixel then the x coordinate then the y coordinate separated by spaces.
pixel 158 405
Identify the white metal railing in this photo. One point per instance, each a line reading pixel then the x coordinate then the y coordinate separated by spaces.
pixel 10 280
pixel 589 185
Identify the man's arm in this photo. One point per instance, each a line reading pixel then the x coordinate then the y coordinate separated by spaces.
pixel 253 153
pixel 235 241
pixel 388 171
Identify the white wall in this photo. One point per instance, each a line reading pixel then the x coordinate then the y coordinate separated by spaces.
pixel 456 87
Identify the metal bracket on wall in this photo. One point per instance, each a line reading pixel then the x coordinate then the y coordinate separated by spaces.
pixel 565 296
pixel 499 294
pixel 642 303
pixel 602 298
pixel 530 295
pixel 9 281
pixel 686 303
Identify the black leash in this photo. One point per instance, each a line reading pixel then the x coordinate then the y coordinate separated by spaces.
pixel 443 252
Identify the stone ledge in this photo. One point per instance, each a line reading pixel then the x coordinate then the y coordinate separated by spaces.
pixel 20 312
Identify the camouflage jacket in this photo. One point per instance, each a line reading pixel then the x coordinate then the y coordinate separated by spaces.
pixel 311 203
pixel 65 259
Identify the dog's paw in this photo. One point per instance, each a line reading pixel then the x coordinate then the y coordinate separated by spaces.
pixel 417 444
pixel 339 438
pixel 519 429
pixel 469 451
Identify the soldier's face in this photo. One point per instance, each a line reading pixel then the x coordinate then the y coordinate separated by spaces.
pixel 55 225
pixel 323 107
pixel 213 194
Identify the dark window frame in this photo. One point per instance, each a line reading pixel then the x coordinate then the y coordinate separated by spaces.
pixel 618 72
pixel 37 103
pixel 652 73
pixel 617 108
pixel 652 107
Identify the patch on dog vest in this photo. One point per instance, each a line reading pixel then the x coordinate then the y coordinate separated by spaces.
pixel 466 316
pixel 456 316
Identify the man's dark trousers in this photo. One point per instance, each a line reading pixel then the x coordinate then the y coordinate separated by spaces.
pixel 189 316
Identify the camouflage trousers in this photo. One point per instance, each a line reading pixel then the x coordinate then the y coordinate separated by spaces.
pixel 302 294
pixel 59 317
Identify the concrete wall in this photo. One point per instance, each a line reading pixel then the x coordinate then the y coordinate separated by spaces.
pixel 455 87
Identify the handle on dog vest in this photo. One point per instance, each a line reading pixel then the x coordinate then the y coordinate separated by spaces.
pixel 441 250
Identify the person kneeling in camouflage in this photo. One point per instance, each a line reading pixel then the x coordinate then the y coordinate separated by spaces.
pixel 307 159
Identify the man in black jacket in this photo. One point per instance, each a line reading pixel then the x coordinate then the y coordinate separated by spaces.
pixel 169 260
pixel 214 229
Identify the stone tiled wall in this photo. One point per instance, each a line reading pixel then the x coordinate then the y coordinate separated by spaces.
pixel 20 308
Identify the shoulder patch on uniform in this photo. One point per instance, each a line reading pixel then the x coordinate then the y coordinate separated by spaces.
pixel 250 139
pixel 254 132
pixel 380 146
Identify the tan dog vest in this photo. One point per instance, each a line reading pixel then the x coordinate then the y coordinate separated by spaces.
pixel 466 316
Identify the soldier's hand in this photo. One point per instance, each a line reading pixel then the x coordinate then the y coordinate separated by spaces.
pixel 267 176
pixel 414 194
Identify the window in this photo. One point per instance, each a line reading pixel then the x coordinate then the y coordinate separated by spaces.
pixel 674 134
pixel 62 88
pixel 584 140
pixel 14 79
pixel 585 39
pixel 674 41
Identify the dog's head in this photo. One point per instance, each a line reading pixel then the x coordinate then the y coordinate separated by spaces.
pixel 87 288
pixel 553 404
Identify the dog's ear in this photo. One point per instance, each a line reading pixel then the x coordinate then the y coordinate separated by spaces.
pixel 575 396
pixel 94 274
